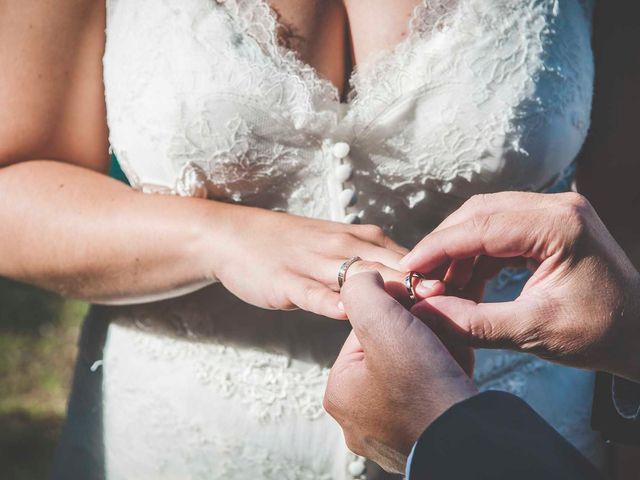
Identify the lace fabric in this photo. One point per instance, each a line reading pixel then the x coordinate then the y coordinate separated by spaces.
pixel 203 101
pixel 267 389
pixel 535 92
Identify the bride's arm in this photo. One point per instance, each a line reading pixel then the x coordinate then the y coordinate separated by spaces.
pixel 67 227
pixel 63 226
pixel 82 234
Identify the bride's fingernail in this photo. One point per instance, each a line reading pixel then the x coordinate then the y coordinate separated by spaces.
pixel 426 286
pixel 341 306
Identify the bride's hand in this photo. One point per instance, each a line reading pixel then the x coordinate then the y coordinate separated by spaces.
pixel 280 261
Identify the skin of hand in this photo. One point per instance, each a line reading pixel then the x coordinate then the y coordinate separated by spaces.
pixel 144 248
pixel 581 307
pixel 393 377
pixel 280 261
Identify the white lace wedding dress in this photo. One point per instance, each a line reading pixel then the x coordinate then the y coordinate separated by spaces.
pixel 482 96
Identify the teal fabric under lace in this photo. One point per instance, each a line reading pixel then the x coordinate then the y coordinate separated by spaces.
pixel 116 172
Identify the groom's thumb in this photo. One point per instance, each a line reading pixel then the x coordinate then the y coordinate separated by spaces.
pixel 379 321
pixel 483 325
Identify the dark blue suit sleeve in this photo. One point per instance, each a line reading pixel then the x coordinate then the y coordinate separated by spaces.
pixel 496 436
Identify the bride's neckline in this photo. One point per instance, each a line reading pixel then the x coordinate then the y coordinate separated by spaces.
pixel 260 21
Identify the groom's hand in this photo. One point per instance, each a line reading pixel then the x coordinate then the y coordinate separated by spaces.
pixel 581 307
pixel 392 378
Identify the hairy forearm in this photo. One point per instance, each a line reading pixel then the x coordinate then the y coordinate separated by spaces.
pixel 84 235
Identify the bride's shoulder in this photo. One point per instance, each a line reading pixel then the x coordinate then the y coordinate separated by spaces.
pixel 52 100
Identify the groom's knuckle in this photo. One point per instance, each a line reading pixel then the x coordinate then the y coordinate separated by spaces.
pixel 575 207
pixel 535 333
pixel 572 220
pixel 529 338
pixel 481 223
pixel 482 327
pixel 482 201
pixel 578 201
pixel 472 203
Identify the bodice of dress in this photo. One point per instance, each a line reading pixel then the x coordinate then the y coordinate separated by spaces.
pixel 481 96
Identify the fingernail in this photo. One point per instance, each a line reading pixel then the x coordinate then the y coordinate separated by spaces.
pixel 426 286
pixel 341 306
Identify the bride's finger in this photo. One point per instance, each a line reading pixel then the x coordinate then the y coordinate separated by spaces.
pixel 369 252
pixel 387 257
pixel 371 258
pixel 326 271
pixel 459 273
pixel 393 279
pixel 376 236
pixel 317 298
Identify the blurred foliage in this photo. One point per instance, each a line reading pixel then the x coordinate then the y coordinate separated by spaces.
pixel 38 335
pixel 27 444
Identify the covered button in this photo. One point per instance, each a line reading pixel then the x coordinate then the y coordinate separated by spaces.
pixel 341 150
pixel 347 197
pixel 357 467
pixel 344 172
pixel 351 218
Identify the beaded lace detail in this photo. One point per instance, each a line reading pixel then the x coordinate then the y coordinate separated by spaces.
pixel 203 100
pixel 264 384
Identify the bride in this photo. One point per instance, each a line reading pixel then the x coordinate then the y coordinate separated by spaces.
pixel 266 143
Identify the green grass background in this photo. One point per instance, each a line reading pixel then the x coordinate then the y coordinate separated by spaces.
pixel 38 336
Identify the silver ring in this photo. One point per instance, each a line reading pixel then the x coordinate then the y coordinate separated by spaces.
pixel 409 283
pixel 342 272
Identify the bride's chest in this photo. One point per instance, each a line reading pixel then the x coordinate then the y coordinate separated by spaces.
pixel 202 99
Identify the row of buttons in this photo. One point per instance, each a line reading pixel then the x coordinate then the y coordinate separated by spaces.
pixel 343 173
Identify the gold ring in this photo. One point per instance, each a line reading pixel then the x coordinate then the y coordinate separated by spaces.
pixel 342 272
pixel 409 283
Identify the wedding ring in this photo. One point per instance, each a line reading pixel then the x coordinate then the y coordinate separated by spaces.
pixel 409 282
pixel 342 272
